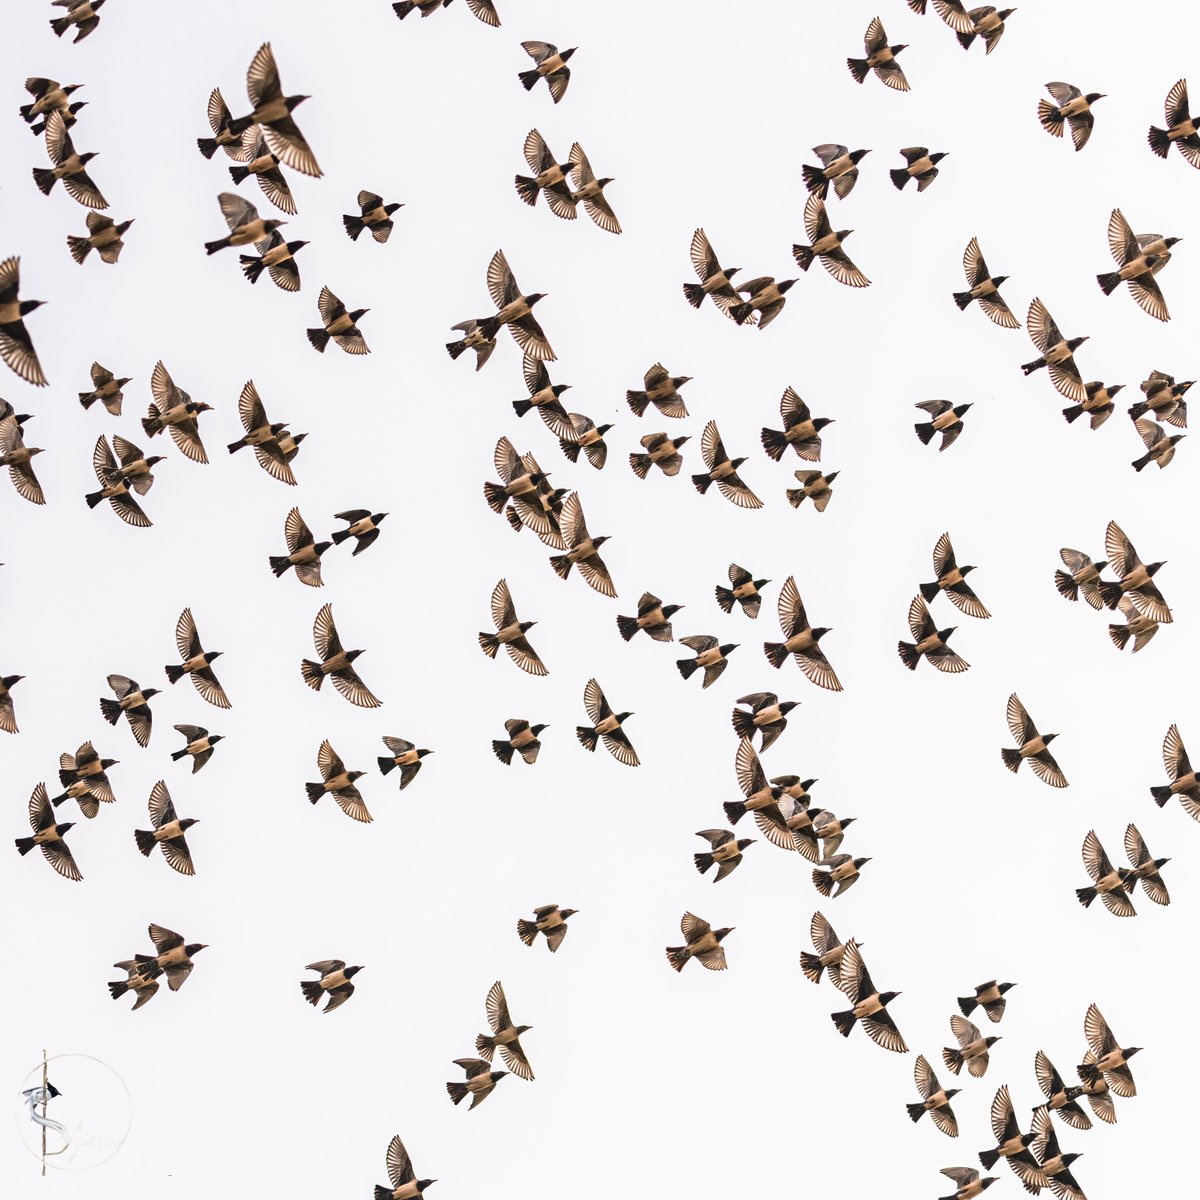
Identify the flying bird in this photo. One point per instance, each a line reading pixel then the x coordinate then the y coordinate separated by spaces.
pixel 273 111
pixel 336 663
pixel 106 388
pixel 277 258
pixel 1137 626
pixel 662 390
pixel 363 527
pixel 723 471
pixel 661 451
pixel 197 662
pixel 947 420
pixel 841 873
pixel 1144 866
pixel 221 120
pixel 935 1100
pixel 703 944
pixel 881 58
pixel 334 982
pixel 48 96
pixel 583 550
pixel 199 747
pixel 802 640
pixel 726 852
pixel 168 832
pixel 481 1080
pixel 8 720
pixel 48 835
pixel 922 166
pixel 1160 447
pixel 1060 1099
pixel 339 324
pixel 1031 746
pixel 404 1182
pixel 515 309
pixel 587 436
pixel 86 767
pixel 1056 1165
pixel 1134 578
pixel 990 997
pixel 869 1004
pixel 759 795
pixel 339 783
pixel 549 176
pixel 1058 354
pixel 141 979
pixel 373 215
pixel 505 1036
pixel 1097 403
pixel 82 15
pixel 966 1179
pixel 827 246
pixel 550 921
pixel 1083 577
pixel 69 165
pixel 403 755
pixel 258 160
pixel 607 725
pixel 972 1048
pixel 304 552
pixel 173 957
pixel 715 280
pixel 800 430
pixel 984 287
pixel 133 701
pixel 1071 107
pixel 815 486
pixel 1181 130
pixel 477 335
pixel 262 434
pixel 1012 1145
pixel 510 633
pixel 766 716
pixel 744 590
pixel 1110 884
pixel 1164 399
pixel 710 655
pixel 246 227
pixel 1111 1059
pixel 828 956
pixel 173 409
pixel 551 66
pixel 1134 267
pixel 115 487
pixel 523 739
pixel 1184 782
pixel 104 236
pixel 951 579
pixel 764 297
pixel 16 347
pixel 839 166
pixel 930 642
pixel 17 457
pixel 985 22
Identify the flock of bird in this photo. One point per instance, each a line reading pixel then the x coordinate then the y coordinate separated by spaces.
pixel 264 141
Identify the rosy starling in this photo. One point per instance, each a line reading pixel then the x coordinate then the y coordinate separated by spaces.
pixel 48 835
pixel 373 215
pixel 69 166
pixel 168 832
pixel 133 701
pixel 246 227
pixel 199 746
pixel 261 433
pixel 334 983
pixel 800 430
pixel 1058 353
pixel 87 767
pixel 48 96
pixel 922 166
pixel 173 957
pixel 550 921
pixel 548 176
pixel 583 550
pixel 841 873
pixel 505 1036
pixel 1070 107
pixel 16 456
pixel 197 662
pixel 881 58
pixel 8 720
pixel 723 471
pixel 709 654
pixel 869 1004
pixel 551 66
pixel 951 579
pixel 990 997
pixel 336 663
pixel 510 633
pixel 516 309
pixel 105 388
pixel 220 118
pixel 339 783
pixel 403 755
pixel 829 952
pixel 172 408
pixel 587 436
pixel 425 7
pixel 606 725
pixel 985 288
pixel 339 324
pixel 1097 403
pixel 744 590
pixel 662 390
pixel 83 15
pixel 523 739
pixel 1134 577
pixel 715 280
pixel 703 944
pixel 802 640
pixel 1135 267
pixel 1111 1059
pixel 1031 745
pixel 1160 446
pixel 363 528
pixel 103 236
pixel 766 716
pixel 1084 576
pixel 1184 782
pixel 136 469
pixel 653 617
pixel 1060 1099
pixel 759 795
pixel 814 486
pixel 935 1098
pixel 1012 1144
pixel 405 1185
pixel 545 397
pixel 480 335
pixel 16 348
pixel 1137 626
pixel 1164 398
pixel 763 296
pixel 972 1048
pixel 273 111
pixel 947 420
pixel 1181 129
pixel 1056 1165
pixel 827 246
pixel 1109 883
pixel 1145 866
pixel 304 553
pixel 930 642
pixel 1099 1095
pixel 839 166
pixel 726 851
pixel 264 166
pixel 115 487
pixel 966 1179
pixel 481 1080
pixel 661 450
pixel 985 22
pixel 277 258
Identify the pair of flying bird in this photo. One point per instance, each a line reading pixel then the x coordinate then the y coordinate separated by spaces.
pixel 565 185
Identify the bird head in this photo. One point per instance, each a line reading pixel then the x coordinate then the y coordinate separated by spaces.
pixel 351 655
pixel 377 517
pixel 728 649
pixel 295 101
pixel 320 547
pixel 212 655
pixel 105 763
pixel 1101 565
pixel 215 738
pixel 559 388
pixel 832 476
pixel 1075 343
pixel 496 1076
pixel 71 87
pixel 61 829
pixel 818 425
pixel 1068 1159
pixel 1005 13
pixel 51 1090
pixel 847 821
pixel 885 998
pixel 9 680
pixel 567 912
pixel 566 54
pixel 944 634
pixel 999 279
pixel 1114 389
pixel 623 717
pixel 857 156
pixel 32 450
pixel 897 49
pixel 391 208
pixel 743 843
pixel 293 247
pixel 1160 862
pixel 737 462
pixel 679 441
pixel 678 381
pixel 820 632
pixel 784 286
pixel 721 934
pixel 195 948
pixel 669 610
pixel 422 1184
pixel 603 183
pixel 937 158
pixel 422 753
pixel 532 300
pixel 952 1092
pixel 124 225
pixel 843 234
pixel 599 541
pixel 155 458
pixel 1171 241
pixel 148 692
pixel 203 406
pixel 87 158
pixel 525 626
pixel 1004 987
pixel 353 775
pixel 603 429
pixel 523 1028
pixel 986 1182
pixel 1130 1052
pixel 991 1041
pixel 536 730
pixel 351 971
pixel 1092 97
pixel 188 822
pixel 358 314
pixel 787 706
pixel 858 862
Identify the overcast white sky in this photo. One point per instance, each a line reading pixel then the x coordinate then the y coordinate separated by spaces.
pixel 647 1082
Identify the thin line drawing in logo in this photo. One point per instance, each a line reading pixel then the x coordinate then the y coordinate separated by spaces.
pixel 91 1116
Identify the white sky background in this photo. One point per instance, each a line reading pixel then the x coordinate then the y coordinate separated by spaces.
pixel 647 1082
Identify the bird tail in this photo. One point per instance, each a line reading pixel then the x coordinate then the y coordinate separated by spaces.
pixel 213 247
pixel 628 626
pixel 1067 586
pixel 822 883
pixel 312 674
pixel 967 1004
pixel 1086 895
pixel 810 964
pixel 118 989
pixel 638 402
pixel 1144 461
pixel 1050 117
pixel 152 422
pixel 988 1158
pixel 94 498
pixel 677 956
pixel 402 8
pixel 87 399
pixel 858 68
pixel 844 1021
pixel 735 810
pixel 1012 758
pixel 724 597
pixel 513 518
pixel 1158 140
pixel 207 146
pixel 457 1091
pixel 1138 410
pixel 252 267
pixel 485 1046
pixel 776 653
pixel 795 497
pixel 526 931
pixel 318 339
pixel 1088 1073
pixel 741 312
pixel 743 723
pixel 908 654
pixel 803 256
pixel 953 1060
pixel 915 1111
pixel 925 431
pixel 176 755
pixel 527 189
pixel 1161 794
pixel 1108 282
pixel 588 737
pixel 640 464
pixel 1120 635
pixel 44 178
pixel 381 1192
pixel 965 40
pixel 521 407
pixel 339 536
pixel 454 349
pixel 174 673
pixel 687 667
pixel 929 590
pixel 60 25
pixel 899 177
pixel 145 841
pixel 962 299
pixel 694 294
pixel 354 225
pixel 1029 367
pixel 489 643
pixel 279 564
pixel 701 483
pixel 1072 413
pixel 315 792
pixel 312 991
pixel 24 845
pixel 1110 594
pixel 80 248
pixel 528 79
pixel 703 862
pixel 815 181
pixel 561 564
pixel 495 495
pixel 111 709
pixel 774 442
pixel 26 111
pixel 501 749
pixel 237 174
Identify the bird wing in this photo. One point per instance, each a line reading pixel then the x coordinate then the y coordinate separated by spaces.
pixel 206 683
pixel 539 51
pixel 998 312
pixel 1096 861
pixel 598 207
pixel 350 801
pixel 1063 93
pixel 328 761
pixel 925 1079
pixel 827 152
pixel 530 336
pixel 17 350
pixel 943 556
pixel 503 611
pixel 236 210
pixel 1121 241
pixel 881 1029
pixel 1047 770
pixel 162 808
pixel 595 703
pixel 61 859
pixel 891 74
pixel 501 284
pixel 165 940
pixel 140 722
pixel 1004 1120
pixel 262 78
pixel 41 814
pixel 250 408
pixel 325 634
pixel 963 1030
pixel 964 599
pixel 712 447
pixel 526 657
pixel 122 685
pixel 621 748
pixel 816 218
pixel 571 521
pixel 1019 722
pixel 1150 432
pixel 704 258
pixel 1049 1080
pixel 714 959
pixel 875 39
pixel 485 11
pixel 162 387
pixel 581 168
pixel 960 1176
pixel 537 153
pixel 536 375
pixel 326 966
pixel 399 1166
pixel 187 637
pixel 1176 107
pixel 58 140
pixel 507 461
pixel 289 146
pixel 178 855
pixel 497 1008
pixel 855 982
pixel 103 462
pixel 749 770
pixel 947 661
pixel 693 927
pixel 296 532
pixel 515 1060
pixel 1097 1032
pixel 1120 1080
pixel 351 686
pixel 1040 324
pixel 823 937
pixel 1175 757
pixel 974 267
pixel 838 264
pixel 792 617
pixel 1149 297
pixel 1120 551
pixel 920 622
